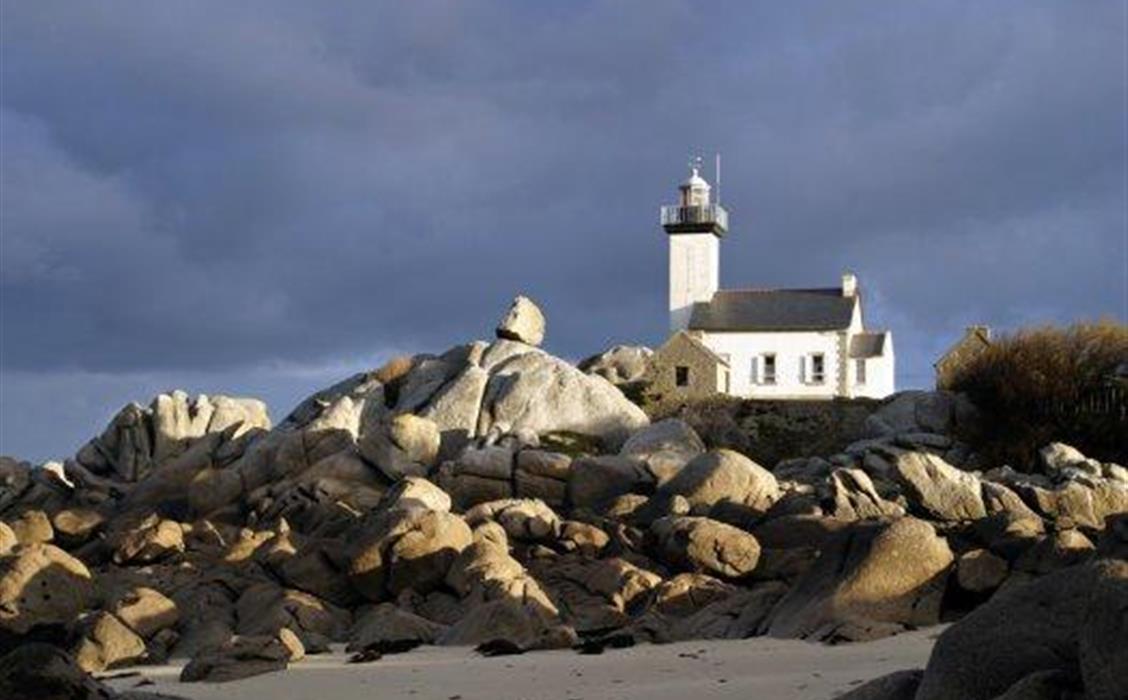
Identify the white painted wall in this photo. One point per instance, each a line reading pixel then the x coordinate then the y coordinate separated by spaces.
pixel 880 373
pixel 695 264
pixel 789 347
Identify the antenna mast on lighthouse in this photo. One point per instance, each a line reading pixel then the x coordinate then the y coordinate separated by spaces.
pixel 717 172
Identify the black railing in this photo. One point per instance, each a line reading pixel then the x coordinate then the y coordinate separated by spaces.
pixel 706 214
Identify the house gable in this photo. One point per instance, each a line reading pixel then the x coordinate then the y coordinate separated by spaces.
pixel 684 366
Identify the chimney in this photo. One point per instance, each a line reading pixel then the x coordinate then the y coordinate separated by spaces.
pixel 849 284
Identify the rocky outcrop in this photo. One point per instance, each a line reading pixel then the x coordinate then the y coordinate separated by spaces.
pixel 1057 460
pixel 938 490
pixel 145 610
pixel 1102 638
pixel 405 549
pixel 856 498
pixel 243 657
pixel 8 539
pixel 718 480
pixel 480 474
pixel 594 481
pixel 1061 622
pixel 625 366
pixel 527 520
pixel 37 671
pixel 106 642
pixel 537 393
pixel 485 571
pixel 496 495
pixel 899 685
pixel 415 492
pixel 523 626
pixel 701 544
pixel 146 540
pixel 543 475
pixel 403 445
pixel 872 579
pixel 933 412
pixel 265 608
pixel 387 624
pixel 175 433
pixel 41 584
pixel 738 616
pixel 666 447
pixel 24 487
pixel 979 570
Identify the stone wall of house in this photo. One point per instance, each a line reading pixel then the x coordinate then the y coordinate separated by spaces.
pixel 705 372
pixel 961 353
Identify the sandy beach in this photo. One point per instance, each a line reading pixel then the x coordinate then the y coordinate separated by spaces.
pixel 752 668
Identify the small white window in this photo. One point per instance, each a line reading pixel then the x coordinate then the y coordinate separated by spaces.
pixel 818 368
pixel 860 370
pixel 769 368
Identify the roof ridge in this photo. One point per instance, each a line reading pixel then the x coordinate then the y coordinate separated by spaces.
pixel 761 290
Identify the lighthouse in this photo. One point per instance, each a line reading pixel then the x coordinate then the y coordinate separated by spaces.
pixel 695 226
pixel 805 343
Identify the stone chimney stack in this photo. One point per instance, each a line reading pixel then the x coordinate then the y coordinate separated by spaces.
pixel 849 284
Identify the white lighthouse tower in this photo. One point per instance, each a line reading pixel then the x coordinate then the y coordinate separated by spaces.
pixel 695 226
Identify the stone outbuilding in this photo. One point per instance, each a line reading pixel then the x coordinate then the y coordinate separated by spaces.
pixel 685 366
pixel 975 340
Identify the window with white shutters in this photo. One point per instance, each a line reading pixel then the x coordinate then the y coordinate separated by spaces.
pixel 818 368
pixel 769 375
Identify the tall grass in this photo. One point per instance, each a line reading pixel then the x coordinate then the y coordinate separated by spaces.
pixel 1047 384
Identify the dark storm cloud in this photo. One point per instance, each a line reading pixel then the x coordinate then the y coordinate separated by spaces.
pixel 257 196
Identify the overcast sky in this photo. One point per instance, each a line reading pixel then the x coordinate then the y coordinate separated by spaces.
pixel 261 198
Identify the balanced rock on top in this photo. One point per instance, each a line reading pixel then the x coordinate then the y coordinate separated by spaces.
pixel 524 322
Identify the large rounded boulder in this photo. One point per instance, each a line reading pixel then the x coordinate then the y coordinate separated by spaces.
pixel 1071 621
pixel 404 445
pixel 41 584
pixel 701 544
pixel 938 490
pixel 666 447
pixel 720 478
pixel 871 579
pixel 408 548
pixel 534 392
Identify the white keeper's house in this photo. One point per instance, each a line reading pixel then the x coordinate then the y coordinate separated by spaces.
pixel 759 343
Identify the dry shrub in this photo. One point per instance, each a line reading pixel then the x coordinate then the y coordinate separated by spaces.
pixel 394 369
pixel 1047 384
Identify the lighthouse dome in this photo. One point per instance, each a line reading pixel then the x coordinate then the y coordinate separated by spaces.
pixel 695 182
pixel 694 191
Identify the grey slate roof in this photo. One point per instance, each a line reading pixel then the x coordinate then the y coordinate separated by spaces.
pixel 867 345
pixel 774 310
